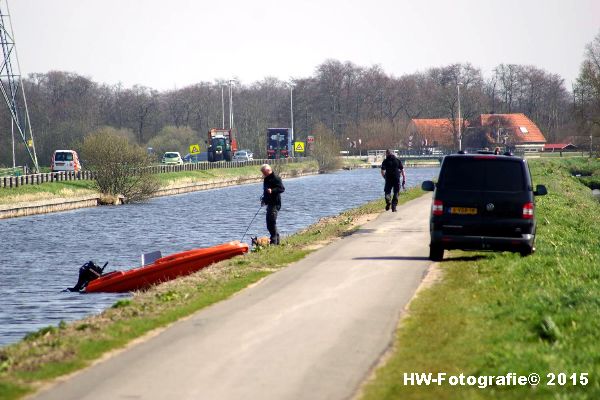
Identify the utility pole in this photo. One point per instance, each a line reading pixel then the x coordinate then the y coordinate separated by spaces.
pixel 231 81
pixel 11 86
pixel 292 116
pixel 459 132
pixel 223 107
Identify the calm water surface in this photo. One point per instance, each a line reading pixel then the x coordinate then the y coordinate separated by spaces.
pixel 41 254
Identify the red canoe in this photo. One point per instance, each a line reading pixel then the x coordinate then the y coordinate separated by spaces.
pixel 165 268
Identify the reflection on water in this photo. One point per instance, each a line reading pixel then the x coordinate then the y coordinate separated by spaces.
pixel 41 254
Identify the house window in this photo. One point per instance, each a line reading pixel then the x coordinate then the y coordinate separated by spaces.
pixel 523 129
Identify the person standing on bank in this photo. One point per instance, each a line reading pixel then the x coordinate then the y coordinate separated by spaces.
pixel 272 189
pixel 391 170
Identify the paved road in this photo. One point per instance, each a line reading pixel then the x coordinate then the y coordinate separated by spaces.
pixel 311 331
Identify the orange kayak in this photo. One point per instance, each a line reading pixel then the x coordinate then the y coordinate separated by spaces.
pixel 165 268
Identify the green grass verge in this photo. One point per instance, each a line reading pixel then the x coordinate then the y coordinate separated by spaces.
pixel 55 351
pixel 44 191
pixel 495 313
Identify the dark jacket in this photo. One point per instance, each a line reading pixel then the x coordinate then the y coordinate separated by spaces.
pixel 392 167
pixel 274 183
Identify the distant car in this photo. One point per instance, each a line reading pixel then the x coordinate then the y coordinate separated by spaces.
pixel 190 158
pixel 172 157
pixel 65 160
pixel 243 155
pixel 195 158
pixel 248 151
pixel 483 202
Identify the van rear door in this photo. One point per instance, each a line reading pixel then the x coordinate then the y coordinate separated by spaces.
pixel 505 194
pixel 64 161
pixel 459 187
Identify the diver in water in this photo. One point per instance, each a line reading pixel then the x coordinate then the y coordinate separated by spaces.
pixel 87 273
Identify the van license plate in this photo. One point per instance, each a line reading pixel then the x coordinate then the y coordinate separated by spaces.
pixel 463 210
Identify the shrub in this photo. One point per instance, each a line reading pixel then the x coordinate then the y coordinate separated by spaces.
pixel 120 167
pixel 326 150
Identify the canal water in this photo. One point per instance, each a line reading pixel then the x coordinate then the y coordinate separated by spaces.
pixel 41 254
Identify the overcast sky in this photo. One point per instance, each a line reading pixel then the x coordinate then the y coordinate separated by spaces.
pixel 175 43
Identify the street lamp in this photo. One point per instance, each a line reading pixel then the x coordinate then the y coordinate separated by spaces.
pixel 223 106
pixel 459 124
pixel 231 82
pixel 292 84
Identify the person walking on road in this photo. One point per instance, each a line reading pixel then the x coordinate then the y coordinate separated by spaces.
pixel 391 170
pixel 272 189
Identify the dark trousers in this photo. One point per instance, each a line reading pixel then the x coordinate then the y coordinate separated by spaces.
pixel 272 212
pixel 387 189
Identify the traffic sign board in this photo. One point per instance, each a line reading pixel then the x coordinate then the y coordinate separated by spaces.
pixel 195 149
pixel 299 147
pixel 310 139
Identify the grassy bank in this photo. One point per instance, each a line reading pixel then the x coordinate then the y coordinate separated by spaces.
pixel 586 170
pixel 495 313
pixel 71 189
pixel 176 178
pixel 46 191
pixel 56 351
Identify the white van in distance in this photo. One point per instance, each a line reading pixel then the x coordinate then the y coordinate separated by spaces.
pixel 65 160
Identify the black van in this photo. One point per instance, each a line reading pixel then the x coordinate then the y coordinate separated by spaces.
pixel 483 202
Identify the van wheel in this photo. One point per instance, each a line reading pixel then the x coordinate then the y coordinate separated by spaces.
pixel 527 251
pixel 436 252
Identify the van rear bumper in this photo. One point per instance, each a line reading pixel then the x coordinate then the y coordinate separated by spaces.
pixel 515 244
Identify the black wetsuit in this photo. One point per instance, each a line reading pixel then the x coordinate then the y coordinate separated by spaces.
pixel 392 167
pixel 273 202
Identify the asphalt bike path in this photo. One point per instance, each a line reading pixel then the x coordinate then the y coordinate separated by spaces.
pixel 313 330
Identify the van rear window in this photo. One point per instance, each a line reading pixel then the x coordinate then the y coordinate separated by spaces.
pixel 494 174
pixel 63 156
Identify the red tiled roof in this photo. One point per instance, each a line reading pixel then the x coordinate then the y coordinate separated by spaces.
pixel 438 130
pixel 557 146
pixel 523 129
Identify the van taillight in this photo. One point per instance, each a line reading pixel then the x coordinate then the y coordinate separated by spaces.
pixel 437 208
pixel 528 210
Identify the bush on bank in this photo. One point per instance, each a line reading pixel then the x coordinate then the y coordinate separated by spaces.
pixel 119 166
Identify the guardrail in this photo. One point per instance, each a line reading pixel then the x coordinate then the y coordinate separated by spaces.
pixel 17 171
pixel 36 179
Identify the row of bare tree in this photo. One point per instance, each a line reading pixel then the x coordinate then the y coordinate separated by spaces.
pixel 351 101
pixel 586 91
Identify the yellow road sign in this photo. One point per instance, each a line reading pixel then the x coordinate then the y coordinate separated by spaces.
pixel 299 147
pixel 195 149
